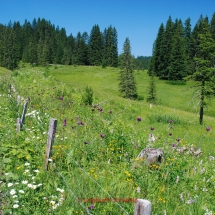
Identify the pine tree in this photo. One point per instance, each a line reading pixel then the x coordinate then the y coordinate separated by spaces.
pixel 127 84
pixel 152 95
pixel 158 53
pixel 212 26
pixel 167 49
pixel 204 74
pixel 96 46
pixel 177 65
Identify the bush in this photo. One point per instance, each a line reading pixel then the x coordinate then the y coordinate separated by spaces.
pixel 87 97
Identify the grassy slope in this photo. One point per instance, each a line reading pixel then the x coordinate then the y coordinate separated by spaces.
pixel 122 130
pixel 104 81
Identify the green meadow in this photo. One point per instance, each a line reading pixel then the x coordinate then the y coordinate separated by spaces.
pixel 93 168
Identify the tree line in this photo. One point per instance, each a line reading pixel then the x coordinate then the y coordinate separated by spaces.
pixel 177 46
pixel 41 43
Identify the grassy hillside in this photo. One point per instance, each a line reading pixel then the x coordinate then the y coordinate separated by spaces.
pixel 105 81
pixel 94 167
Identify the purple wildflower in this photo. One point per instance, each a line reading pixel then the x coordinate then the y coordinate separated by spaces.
pixel 152 128
pixel 86 142
pixel 208 128
pixel 64 122
pixel 91 207
pixel 110 112
pixel 139 119
pixel 102 135
pixel 61 97
pixel 170 121
pixel 170 134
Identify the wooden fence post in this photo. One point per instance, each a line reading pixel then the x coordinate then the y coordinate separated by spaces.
pixel 23 114
pixel 50 140
pixel 142 207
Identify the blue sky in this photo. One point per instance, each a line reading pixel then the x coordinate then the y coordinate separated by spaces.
pixel 137 19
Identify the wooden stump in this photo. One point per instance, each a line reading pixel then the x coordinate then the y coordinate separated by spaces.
pixel 142 207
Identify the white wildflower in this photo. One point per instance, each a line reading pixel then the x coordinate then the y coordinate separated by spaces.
pixel 30 185
pixel 52 202
pixel 27 164
pixel 9 184
pixel 14 196
pixel 24 182
pixel 60 190
pixel 177 179
pixel 12 192
pixel 15 206
pixel 50 160
pixel 36 170
pixel 21 191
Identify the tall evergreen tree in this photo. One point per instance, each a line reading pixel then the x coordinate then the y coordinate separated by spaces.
pixel 110 47
pixel 177 65
pixel 167 48
pixel 127 84
pixel 158 53
pixel 96 46
pixel 204 74
pixel 212 26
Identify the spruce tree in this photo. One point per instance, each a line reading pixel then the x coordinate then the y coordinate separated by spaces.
pixel 177 66
pixel 96 46
pixel 212 26
pixel 127 84
pixel 152 95
pixel 204 73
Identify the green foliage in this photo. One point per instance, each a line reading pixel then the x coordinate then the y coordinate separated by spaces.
pixel 127 84
pixel 152 90
pixel 87 97
pixel 181 182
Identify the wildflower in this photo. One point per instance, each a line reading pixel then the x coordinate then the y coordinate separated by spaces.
pixel 15 206
pixel 139 119
pixel 36 170
pixel 64 122
pixel 190 201
pixel 12 192
pixel 91 207
pixel 10 184
pixel 14 196
pixel 52 202
pixel 86 142
pixel 24 182
pixel 170 134
pixel 151 138
pixel 21 191
pixel 61 98
pixel 27 164
pixel 50 160
pixel 138 189
pixel 102 135
pixel 152 128
pixel 60 190
pixel 110 112
pixel 30 185
pixel 39 185
pixel 208 128
pixel 177 179
pixel 170 121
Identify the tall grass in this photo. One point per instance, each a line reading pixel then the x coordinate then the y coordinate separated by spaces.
pixel 94 154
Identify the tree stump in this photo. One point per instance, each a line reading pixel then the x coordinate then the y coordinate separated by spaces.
pixel 151 155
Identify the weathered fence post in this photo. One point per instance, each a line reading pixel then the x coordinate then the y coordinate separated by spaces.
pixel 23 114
pixel 50 140
pixel 142 207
